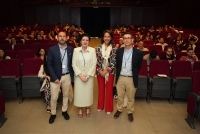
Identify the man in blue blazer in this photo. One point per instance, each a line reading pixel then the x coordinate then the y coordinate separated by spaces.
pixel 61 74
pixel 128 63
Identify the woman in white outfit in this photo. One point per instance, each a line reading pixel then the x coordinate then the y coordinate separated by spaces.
pixel 84 65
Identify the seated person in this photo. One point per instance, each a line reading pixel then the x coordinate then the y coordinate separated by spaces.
pixel 151 56
pixel 3 54
pixel 162 43
pixel 72 42
pixel 41 53
pixel 13 42
pixel 141 46
pixel 44 73
pixel 169 55
pixel 191 42
pixel 120 43
pixel 190 56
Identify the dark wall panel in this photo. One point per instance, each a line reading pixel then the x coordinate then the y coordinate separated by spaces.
pixel 148 16
pixel 42 15
pixel 65 16
pixel 159 17
pixel 30 15
pixel 53 15
pixel 114 16
pixel 75 16
pixel 136 16
pixel 125 16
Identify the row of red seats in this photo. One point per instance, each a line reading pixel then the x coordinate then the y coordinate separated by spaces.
pixel 20 79
pixel 164 82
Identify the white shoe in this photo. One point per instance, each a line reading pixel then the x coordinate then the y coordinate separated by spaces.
pixel 99 110
pixel 108 113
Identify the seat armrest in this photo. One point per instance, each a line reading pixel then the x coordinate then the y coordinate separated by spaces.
pixel 195 96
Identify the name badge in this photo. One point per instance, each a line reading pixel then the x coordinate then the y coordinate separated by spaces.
pixel 63 66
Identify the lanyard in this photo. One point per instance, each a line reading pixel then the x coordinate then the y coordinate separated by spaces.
pixel 126 60
pixel 83 57
pixel 63 56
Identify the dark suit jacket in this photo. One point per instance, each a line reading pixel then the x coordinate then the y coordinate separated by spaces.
pixel 54 63
pixel 136 63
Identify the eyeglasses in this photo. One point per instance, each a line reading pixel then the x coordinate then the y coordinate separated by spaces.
pixel 127 38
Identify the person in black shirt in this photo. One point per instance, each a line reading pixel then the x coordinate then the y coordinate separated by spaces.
pixel 169 55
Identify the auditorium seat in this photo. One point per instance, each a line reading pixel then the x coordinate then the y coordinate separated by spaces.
pixel 30 79
pixel 158 48
pixel 197 49
pixel 35 47
pixel 6 46
pixel 23 54
pixel 142 89
pixel 20 47
pixel 10 71
pixel 196 66
pixel 180 54
pixel 193 105
pixel 182 82
pixel 11 54
pixel 160 80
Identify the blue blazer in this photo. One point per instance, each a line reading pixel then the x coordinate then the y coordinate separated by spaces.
pixel 136 63
pixel 54 63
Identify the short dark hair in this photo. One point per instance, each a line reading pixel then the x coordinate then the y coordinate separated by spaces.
pixel 84 35
pixel 153 54
pixel 111 35
pixel 189 49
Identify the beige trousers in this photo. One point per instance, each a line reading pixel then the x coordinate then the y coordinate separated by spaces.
pixel 65 83
pixel 125 85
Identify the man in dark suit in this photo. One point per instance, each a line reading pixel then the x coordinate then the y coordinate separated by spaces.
pixel 128 63
pixel 61 74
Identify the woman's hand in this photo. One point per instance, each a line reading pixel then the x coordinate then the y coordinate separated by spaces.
pixel 83 78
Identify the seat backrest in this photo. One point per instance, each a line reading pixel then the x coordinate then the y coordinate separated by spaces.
pixel 30 41
pixel 158 48
pixel 35 47
pixel 31 66
pixel 6 46
pixel 180 54
pixel 10 67
pixel 197 49
pixel 145 52
pixel 161 54
pixel 20 47
pixel 11 54
pixel 159 67
pixel 196 66
pixel 181 69
pixel 195 82
pixel 143 70
pixel 23 54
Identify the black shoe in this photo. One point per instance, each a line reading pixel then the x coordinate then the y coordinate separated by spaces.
pixel 66 115
pixel 51 119
pixel 130 117
pixel 117 114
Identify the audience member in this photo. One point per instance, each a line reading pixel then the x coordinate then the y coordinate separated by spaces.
pixel 106 53
pixel 84 65
pixel 3 54
pixel 44 73
pixel 151 56
pixel 162 43
pixel 141 46
pixel 190 56
pixel 41 53
pixel 169 55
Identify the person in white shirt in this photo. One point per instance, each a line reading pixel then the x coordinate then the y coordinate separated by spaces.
pixel 162 43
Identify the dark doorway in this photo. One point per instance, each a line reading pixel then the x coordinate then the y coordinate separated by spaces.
pixel 95 20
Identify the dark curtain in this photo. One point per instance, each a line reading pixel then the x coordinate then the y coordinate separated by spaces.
pixel 95 20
